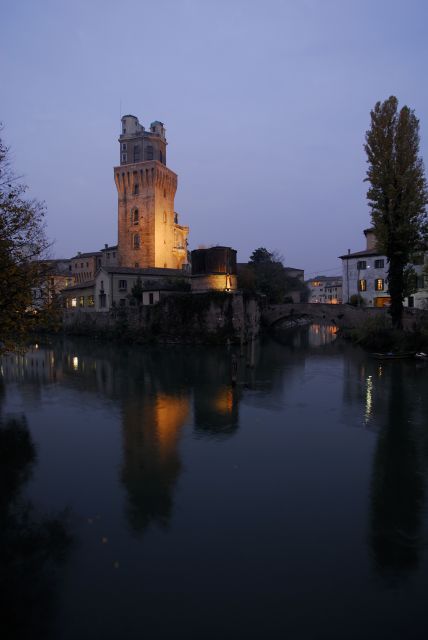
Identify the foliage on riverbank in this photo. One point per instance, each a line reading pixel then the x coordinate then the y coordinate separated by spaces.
pixel 377 334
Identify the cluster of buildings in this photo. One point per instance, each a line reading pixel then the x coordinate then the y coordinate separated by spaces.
pixel 364 279
pixel 151 257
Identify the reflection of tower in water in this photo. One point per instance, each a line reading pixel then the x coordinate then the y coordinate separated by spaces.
pixel 151 464
pixel 216 411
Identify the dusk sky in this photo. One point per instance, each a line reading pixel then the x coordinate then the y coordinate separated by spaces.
pixel 265 104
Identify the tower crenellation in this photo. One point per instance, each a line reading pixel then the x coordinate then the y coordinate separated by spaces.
pixel 148 231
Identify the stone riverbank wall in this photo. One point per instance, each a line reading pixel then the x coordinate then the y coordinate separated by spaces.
pixel 179 318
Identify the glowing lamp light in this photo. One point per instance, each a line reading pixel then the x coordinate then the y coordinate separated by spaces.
pixel 75 363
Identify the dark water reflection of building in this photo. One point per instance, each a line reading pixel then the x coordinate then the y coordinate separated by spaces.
pixel 399 474
pixel 393 400
pixel 156 390
pixel 306 336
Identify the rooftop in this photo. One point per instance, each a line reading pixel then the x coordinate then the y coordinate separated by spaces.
pixel 89 254
pixel 361 254
pixel 152 271
pixel 82 285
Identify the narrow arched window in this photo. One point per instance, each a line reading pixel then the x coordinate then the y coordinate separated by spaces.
pixel 135 216
pixel 136 241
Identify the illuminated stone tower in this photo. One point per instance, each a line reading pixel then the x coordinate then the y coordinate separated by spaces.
pixel 148 231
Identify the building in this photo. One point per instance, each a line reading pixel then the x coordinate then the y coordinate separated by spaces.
pixel 325 289
pixel 84 266
pixel 214 269
pixel 79 296
pixel 113 285
pixel 148 231
pixel 109 256
pixel 53 276
pixel 365 274
pixel 152 246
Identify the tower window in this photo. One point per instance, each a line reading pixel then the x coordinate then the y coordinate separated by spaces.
pixel 136 189
pixel 136 241
pixel 149 153
pixel 137 153
pixel 164 216
pixel 123 146
pixel 124 157
pixel 160 156
pixel 135 216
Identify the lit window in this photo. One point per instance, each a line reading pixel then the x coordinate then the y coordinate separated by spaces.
pixel 379 284
pixel 74 302
pixel 91 301
pixel 362 285
pixel 81 301
pixel 379 264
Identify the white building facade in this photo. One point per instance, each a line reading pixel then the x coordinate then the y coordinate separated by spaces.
pixel 365 274
pixel 325 289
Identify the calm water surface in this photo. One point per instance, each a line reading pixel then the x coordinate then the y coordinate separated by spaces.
pixel 292 505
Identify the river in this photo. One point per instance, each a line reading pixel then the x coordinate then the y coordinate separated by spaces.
pixel 151 498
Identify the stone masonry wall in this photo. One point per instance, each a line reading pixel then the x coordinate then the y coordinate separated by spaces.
pixel 182 317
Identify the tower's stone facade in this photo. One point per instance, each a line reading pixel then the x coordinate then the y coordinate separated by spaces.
pixel 148 231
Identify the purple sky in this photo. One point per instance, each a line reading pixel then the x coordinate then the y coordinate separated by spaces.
pixel 265 104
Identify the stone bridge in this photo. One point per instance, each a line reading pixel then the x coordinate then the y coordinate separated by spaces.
pixel 342 315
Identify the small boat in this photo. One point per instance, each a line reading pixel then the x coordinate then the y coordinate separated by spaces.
pixel 392 355
pixel 421 355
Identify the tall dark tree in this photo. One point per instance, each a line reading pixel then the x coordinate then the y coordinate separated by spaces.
pixel 266 274
pixel 22 242
pixel 398 191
